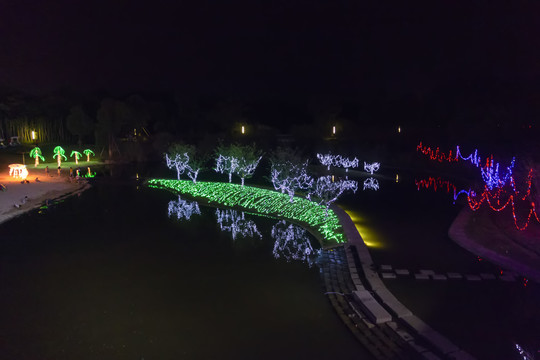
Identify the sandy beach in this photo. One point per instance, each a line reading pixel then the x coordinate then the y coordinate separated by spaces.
pixel 18 198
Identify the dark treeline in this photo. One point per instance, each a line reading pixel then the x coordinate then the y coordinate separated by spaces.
pixel 141 127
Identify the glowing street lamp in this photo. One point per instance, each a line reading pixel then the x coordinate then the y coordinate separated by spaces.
pixel 33 135
pixel 333 130
pixel 243 130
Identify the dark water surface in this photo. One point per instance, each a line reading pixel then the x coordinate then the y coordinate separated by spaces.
pixel 108 275
pixel 408 229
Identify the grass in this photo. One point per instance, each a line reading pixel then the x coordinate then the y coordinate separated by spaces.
pixel 262 201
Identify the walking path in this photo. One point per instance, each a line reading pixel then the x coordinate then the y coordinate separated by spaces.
pixel 391 331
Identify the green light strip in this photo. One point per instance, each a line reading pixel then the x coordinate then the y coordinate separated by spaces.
pixel 263 201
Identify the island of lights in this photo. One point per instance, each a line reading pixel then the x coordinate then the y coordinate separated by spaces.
pixel 371 183
pixel 235 222
pixel 292 243
pixel 183 209
pixel 371 168
pixel 262 201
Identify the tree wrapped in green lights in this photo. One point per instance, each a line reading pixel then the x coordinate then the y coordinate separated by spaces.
pixel 76 155
pixel 36 154
pixel 59 153
pixel 88 152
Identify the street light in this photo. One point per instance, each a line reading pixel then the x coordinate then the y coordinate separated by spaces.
pixel 243 130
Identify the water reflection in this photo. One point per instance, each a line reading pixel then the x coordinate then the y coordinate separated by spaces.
pixel 292 243
pixel 235 222
pixel 371 183
pixel 183 209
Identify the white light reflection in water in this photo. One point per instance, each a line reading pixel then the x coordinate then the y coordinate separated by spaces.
pixel 183 209
pixel 371 183
pixel 235 222
pixel 292 243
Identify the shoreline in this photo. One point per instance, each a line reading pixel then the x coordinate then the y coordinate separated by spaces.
pixel 20 198
pixel 477 233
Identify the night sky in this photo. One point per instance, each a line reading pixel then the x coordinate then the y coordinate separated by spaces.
pixel 268 48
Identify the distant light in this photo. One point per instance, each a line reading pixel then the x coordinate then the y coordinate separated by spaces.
pixel 397 178
pixel 333 130
pixel 33 135
pixel 399 129
pixel 243 130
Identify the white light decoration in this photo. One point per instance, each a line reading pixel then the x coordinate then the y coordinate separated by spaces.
pixel 348 163
pixel 292 243
pixel 246 168
pixel 333 130
pixel 371 168
pixel 289 178
pixel 371 184
pixel 235 222
pixel 226 165
pixel 329 160
pixel 328 191
pixel 179 162
pixel 18 171
pixel 183 209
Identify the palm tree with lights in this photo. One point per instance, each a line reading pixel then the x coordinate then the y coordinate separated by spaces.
pixel 77 155
pixel 36 154
pixel 59 153
pixel 88 152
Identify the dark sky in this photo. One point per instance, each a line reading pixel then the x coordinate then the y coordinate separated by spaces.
pixel 271 47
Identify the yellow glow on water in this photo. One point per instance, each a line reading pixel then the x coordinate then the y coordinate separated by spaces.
pixel 368 235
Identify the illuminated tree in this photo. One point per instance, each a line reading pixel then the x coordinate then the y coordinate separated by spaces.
pixel 348 163
pixel 328 191
pixel 77 155
pixel 329 160
pixel 59 153
pixel 88 152
pixel 227 159
pixel 370 168
pixel 178 162
pixel 36 154
pixel 183 158
pixel 292 243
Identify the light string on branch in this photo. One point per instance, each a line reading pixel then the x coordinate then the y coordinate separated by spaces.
pixel 292 243
pixel 371 184
pixel 235 222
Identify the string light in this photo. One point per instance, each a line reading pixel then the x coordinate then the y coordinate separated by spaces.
pixel 328 191
pixel 371 183
pixel 292 243
pixel 348 163
pixel 370 168
pixel 246 168
pixel 226 165
pixel 235 222
pixel 263 201
pixel 329 160
pixel 179 162
pixel 183 209
pixel 288 178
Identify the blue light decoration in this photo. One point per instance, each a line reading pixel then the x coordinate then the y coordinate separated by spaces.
pixel 246 168
pixel 292 243
pixel 490 174
pixel 371 184
pixel 235 222
pixel 347 163
pixel 329 160
pixel 183 209
pixel 371 168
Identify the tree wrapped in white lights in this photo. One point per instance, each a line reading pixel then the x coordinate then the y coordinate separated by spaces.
pixel 329 160
pixel 241 160
pixel 371 168
pixel 183 209
pixel 348 163
pixel 177 161
pixel 226 165
pixel 328 191
pixel 246 167
pixel 288 172
pixel 371 183
pixel 292 243
pixel 184 159
pixel 231 220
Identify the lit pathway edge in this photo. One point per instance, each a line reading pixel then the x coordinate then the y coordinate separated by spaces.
pixel 401 316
